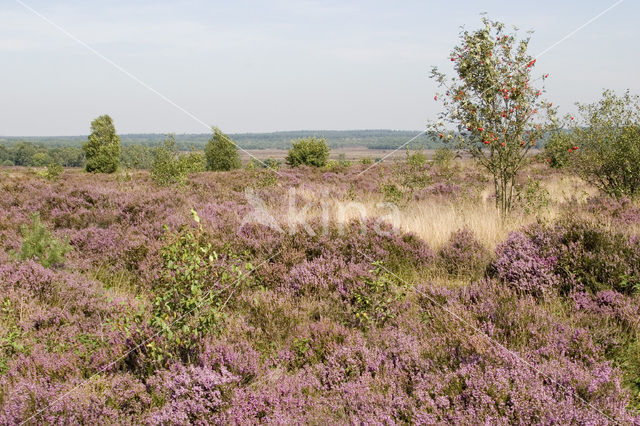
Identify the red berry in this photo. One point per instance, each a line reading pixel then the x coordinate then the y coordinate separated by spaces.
pixel 480 129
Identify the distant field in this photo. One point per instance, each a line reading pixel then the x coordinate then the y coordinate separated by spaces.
pixel 350 153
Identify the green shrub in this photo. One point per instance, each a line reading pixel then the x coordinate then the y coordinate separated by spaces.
pixel 38 244
pixel 373 300
pixel 391 192
pixel 339 165
pixel 8 163
pixel 599 259
pixel 557 148
pixel 102 149
pixel 169 166
pixel 189 295
pixel 53 172
pixel 533 197
pixel 268 163
pixel 194 162
pixel 366 160
pixel 221 152
pixel 417 159
pixel 308 151
pixel 443 157
pixel 608 138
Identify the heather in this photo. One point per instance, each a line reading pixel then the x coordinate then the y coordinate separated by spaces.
pixel 171 308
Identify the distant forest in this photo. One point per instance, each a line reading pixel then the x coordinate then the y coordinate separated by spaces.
pixel 372 139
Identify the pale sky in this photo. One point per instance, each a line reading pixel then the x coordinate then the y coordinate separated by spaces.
pixel 254 66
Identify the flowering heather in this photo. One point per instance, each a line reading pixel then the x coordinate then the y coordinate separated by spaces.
pixel 324 330
pixel 464 254
pixel 520 264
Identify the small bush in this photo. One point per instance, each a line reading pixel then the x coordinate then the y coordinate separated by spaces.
pixel 221 152
pixel 53 172
pixel 194 162
pixel 366 160
pixel 391 192
pixel 598 259
pixel 188 296
pixel 372 301
pixel 608 138
pixel 308 151
pixel 533 197
pixel 443 158
pixel 38 244
pixel 169 166
pixel 417 159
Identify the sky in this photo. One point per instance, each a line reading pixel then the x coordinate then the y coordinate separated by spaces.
pixel 260 66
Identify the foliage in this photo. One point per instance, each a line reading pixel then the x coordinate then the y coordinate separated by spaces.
pixel 571 255
pixel 533 197
pixel 41 159
pixel 170 167
pixel 137 156
pixel 558 149
pixel 39 244
pixel 339 165
pixel 372 301
pixel 417 159
pixel 29 154
pixel 608 138
pixel 267 163
pixel 54 170
pixel 308 151
pixel 392 194
pixel 443 157
pixel 221 152
pixel 493 105
pixel 102 148
pixel 189 295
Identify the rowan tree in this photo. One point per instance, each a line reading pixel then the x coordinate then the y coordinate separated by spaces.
pixel 492 109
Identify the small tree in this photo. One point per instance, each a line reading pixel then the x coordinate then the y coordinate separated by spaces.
pixel 166 167
pixel 607 136
pixel 103 146
pixel 221 152
pixel 308 151
pixel 492 105
pixel 39 244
